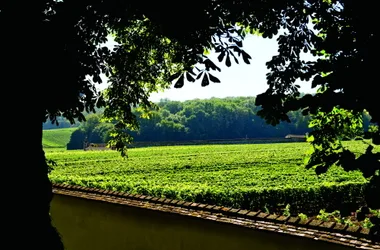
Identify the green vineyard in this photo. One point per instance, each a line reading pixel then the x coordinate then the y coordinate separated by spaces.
pixel 250 176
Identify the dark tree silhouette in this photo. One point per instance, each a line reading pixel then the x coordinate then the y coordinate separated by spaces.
pixel 53 56
pixel 342 35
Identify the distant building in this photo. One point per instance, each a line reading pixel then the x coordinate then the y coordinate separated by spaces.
pixel 296 137
pixel 97 146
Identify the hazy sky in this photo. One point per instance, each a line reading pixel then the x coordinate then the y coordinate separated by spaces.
pixel 239 79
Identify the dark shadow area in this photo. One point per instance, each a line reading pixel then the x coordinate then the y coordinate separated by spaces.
pixel 86 224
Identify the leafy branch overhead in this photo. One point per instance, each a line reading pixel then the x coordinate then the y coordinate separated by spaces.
pixel 340 34
pixel 228 44
pixel 158 43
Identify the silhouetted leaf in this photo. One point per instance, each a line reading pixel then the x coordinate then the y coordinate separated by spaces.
pixel 218 49
pixel 221 56
pixel 365 210
pixel 191 71
pixel 205 81
pixel 51 162
pixel 213 78
pixel 246 57
pixel 347 160
pixel 360 216
pixel 236 60
pixel 180 82
pixel 100 102
pixel 321 169
pixel 228 61
pixel 174 76
pixel 316 81
pixel 236 49
pixel 376 139
pixel 189 77
pixel 210 64
pixel 199 75
pixel 375 220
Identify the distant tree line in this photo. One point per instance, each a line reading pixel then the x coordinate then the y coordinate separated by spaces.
pixel 215 118
pixel 62 123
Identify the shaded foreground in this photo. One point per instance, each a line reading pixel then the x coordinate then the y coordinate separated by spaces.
pixel 87 224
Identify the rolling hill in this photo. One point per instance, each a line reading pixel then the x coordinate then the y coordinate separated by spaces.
pixel 56 138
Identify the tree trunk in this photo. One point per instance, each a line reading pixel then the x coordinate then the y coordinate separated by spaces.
pixel 30 225
pixel 25 85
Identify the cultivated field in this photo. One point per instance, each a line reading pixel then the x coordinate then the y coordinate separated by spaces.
pixel 251 176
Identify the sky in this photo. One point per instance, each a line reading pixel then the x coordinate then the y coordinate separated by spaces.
pixel 239 79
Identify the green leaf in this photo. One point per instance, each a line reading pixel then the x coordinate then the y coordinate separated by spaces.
pixel 310 138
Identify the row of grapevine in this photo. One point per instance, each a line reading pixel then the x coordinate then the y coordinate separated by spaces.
pixel 265 176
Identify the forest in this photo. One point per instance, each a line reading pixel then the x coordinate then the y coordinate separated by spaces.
pixel 208 119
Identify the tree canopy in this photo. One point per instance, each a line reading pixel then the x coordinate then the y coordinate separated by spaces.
pixel 230 118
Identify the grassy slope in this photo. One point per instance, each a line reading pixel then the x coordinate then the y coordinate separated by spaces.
pixel 56 138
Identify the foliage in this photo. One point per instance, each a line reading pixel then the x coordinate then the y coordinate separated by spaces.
pixel 93 130
pixel 101 133
pixel 335 216
pixel 210 119
pixel 323 215
pixel 367 223
pixel 77 139
pixel 62 123
pixel 215 118
pixel 97 131
pixel 286 211
pixel 249 176
pixel 340 36
pixel 370 218
pixel 303 216
pixel 365 217
pixel 373 129
pixel 329 130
